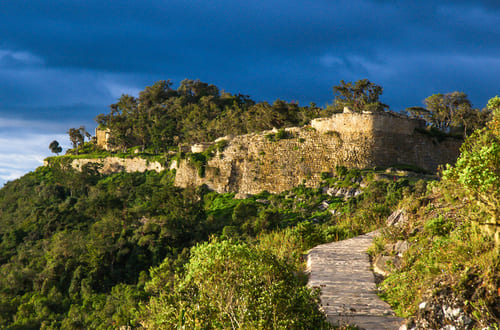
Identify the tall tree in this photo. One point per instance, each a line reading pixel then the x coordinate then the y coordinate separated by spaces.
pixel 450 110
pixel 362 95
pixel 76 137
pixel 477 170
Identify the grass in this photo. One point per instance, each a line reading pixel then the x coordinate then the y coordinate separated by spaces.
pixel 89 151
pixel 447 252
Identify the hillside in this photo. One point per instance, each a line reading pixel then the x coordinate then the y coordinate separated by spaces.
pixel 83 245
pixel 80 249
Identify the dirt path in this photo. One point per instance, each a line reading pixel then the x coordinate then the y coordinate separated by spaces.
pixel 348 293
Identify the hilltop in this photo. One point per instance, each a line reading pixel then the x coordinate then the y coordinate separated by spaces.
pixel 140 225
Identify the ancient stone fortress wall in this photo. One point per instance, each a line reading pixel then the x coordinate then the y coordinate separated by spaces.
pixel 368 123
pixel 102 137
pixel 254 162
pixel 115 164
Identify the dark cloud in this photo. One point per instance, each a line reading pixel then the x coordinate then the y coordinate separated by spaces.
pixel 66 61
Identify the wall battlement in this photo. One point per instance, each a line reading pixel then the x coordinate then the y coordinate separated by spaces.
pixel 369 123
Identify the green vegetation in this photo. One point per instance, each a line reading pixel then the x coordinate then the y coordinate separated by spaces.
pixel 83 250
pixel 55 147
pixel 453 233
pixel 450 113
pixel 162 117
pixel 79 249
pixel 362 95
pixel 259 291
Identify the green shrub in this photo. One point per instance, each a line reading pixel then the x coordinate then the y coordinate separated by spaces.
pixel 281 134
pixel 259 291
pixel 199 161
pixel 341 170
pixel 325 175
pixel 438 226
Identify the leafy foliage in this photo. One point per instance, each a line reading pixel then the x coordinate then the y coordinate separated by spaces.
pixel 451 112
pixel 162 117
pixel 77 247
pixel 362 95
pixel 233 285
pixel 55 147
pixel 448 251
pixel 477 170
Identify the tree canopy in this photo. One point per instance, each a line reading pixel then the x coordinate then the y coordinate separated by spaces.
pixel 162 117
pixel 363 95
pixel 450 111
pixel 233 285
pixel 55 147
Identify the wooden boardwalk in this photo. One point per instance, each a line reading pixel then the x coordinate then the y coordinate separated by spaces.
pixel 348 292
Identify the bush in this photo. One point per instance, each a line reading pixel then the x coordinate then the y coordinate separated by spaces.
pixel 233 285
pixel 341 170
pixel 281 134
pixel 438 226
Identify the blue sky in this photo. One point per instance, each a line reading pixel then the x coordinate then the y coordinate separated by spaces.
pixel 63 62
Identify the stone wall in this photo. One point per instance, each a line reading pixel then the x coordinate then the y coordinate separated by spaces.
pixel 368 122
pixel 102 137
pixel 114 164
pixel 253 163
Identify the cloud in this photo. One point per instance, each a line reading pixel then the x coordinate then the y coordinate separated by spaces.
pixel 10 58
pixel 23 152
pixel 64 62
pixel 64 95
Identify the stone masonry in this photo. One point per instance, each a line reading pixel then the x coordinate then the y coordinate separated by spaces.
pixel 254 162
pixel 341 270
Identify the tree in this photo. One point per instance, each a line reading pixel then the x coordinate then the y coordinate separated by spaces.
pixel 451 111
pixel 363 95
pixel 55 147
pixel 445 108
pixel 75 137
pixel 234 285
pixel 477 170
pixel 494 104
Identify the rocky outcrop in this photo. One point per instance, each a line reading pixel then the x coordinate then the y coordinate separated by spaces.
pixel 345 193
pixel 444 309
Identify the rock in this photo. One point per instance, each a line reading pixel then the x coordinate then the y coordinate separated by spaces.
pixel 390 170
pixel 442 310
pixel 383 265
pixel 242 196
pixel 451 313
pixel 335 212
pixel 263 201
pixel 400 247
pixel 397 218
pixel 342 192
pixel 324 205
pixel 200 147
